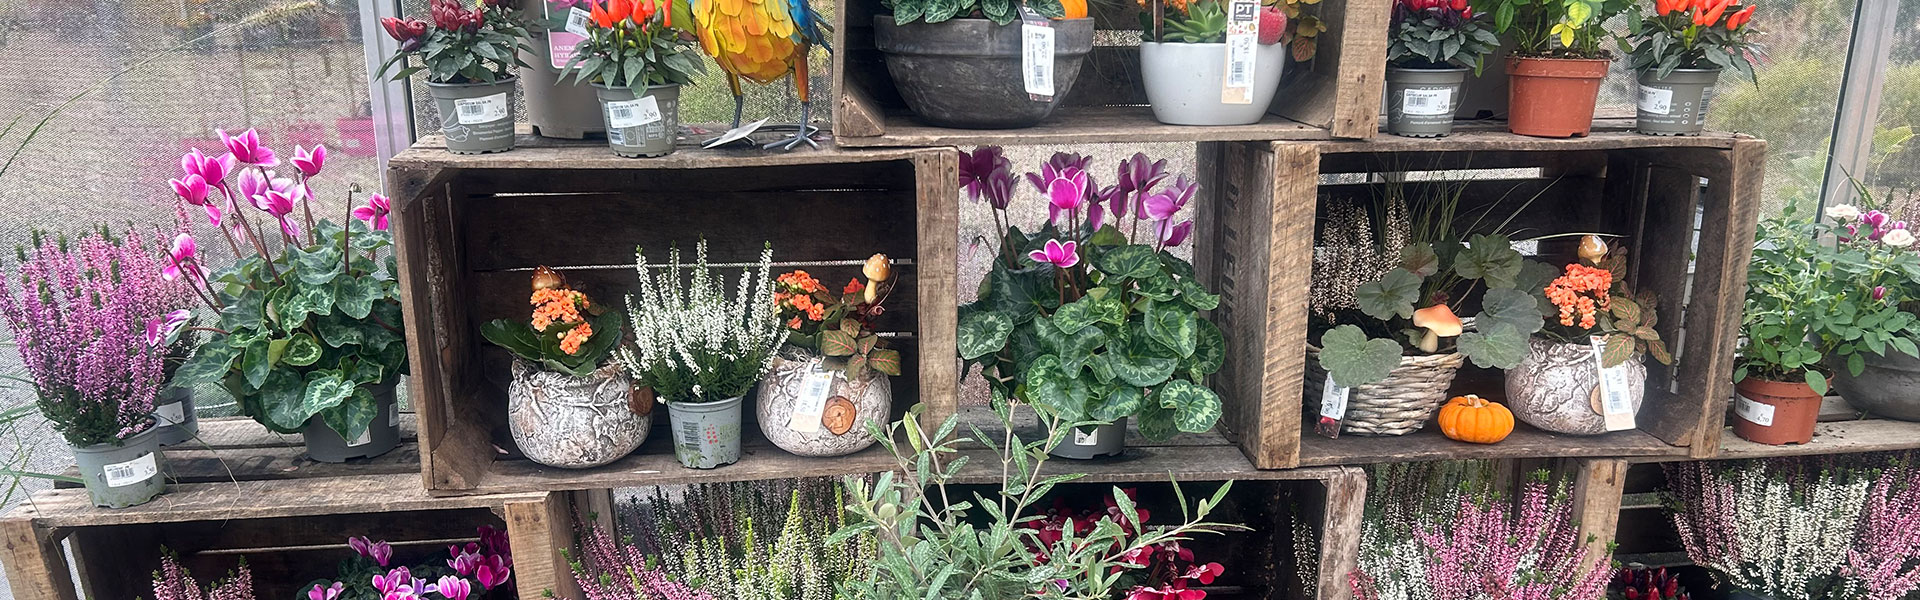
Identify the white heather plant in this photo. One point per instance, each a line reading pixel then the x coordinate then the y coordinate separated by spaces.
pixel 1779 530
pixel 691 343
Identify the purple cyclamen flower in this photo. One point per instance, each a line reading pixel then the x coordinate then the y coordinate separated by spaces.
pixel 210 168
pixel 1057 254
pixel 495 541
pixel 326 593
pixel 1875 218
pixel 1096 215
pixel 453 588
pixel 1066 191
pixel 161 330
pixel 280 205
pixel 309 162
pixel 1061 160
pixel 977 166
pixel 1174 235
pixel 463 562
pixel 1163 205
pixel 374 212
pixel 493 571
pixel 380 552
pixel 193 189
pixel 399 579
pixel 183 258
pixel 246 148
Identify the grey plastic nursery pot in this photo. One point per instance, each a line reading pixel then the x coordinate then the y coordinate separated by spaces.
pixel 640 124
pixel 128 474
pixel 556 106
pixel 706 435
pixel 1093 442
pixel 382 435
pixel 1422 102
pixel 477 118
pixel 1675 104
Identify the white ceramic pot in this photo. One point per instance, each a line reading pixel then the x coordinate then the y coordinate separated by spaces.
pixel 1184 81
pixel 837 426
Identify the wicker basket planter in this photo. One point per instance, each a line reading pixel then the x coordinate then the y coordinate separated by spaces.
pixel 1400 404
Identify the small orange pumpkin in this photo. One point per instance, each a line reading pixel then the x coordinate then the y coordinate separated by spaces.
pixel 1076 9
pixel 1475 420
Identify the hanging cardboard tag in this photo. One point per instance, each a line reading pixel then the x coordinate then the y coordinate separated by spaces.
pixel 1036 55
pixel 813 400
pixel 1333 408
pixel 1616 404
pixel 1243 33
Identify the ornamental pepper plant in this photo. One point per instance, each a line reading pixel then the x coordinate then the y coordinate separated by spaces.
pixel 1693 34
pixel 567 333
pixel 634 44
pixel 1439 34
pixel 462 45
pixel 840 326
pixel 1091 317
pixel 309 314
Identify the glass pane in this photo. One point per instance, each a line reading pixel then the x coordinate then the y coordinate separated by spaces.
pixel 1894 172
pixel 1799 91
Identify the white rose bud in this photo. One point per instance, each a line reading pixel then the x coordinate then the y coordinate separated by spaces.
pixel 1898 238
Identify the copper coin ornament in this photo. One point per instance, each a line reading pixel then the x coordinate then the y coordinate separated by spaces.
pixel 839 415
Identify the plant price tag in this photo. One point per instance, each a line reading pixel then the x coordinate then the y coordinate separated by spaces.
pixel 1656 101
pixel 474 111
pixel 1333 408
pixel 561 42
pixel 813 400
pixel 633 113
pixel 1616 404
pixel 1243 32
pixel 577 20
pixel 132 472
pixel 366 437
pixel 1089 437
pixel 1754 412
pixel 1427 103
pixel 1036 55
pixel 171 414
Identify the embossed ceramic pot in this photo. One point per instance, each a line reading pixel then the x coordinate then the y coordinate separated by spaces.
pixel 571 422
pixel 832 410
pixel 1557 388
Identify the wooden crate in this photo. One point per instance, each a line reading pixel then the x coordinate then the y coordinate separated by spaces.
pixel 1259 222
pixel 471 227
pixel 1337 95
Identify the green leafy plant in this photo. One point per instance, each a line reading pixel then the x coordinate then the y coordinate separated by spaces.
pixel 1578 27
pixel 630 44
pixel 1595 300
pixel 569 333
pixel 1095 328
pixel 1713 35
pixel 1202 22
pixel 1433 34
pixel 478 44
pixel 935 546
pixel 999 11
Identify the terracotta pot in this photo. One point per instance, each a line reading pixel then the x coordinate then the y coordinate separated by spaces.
pixel 1775 412
pixel 1553 97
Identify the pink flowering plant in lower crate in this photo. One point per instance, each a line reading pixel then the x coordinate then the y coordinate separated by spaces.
pixel 472 570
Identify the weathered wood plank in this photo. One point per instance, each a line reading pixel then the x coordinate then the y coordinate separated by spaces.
pixel 1479 137
pixel 1428 444
pixel 1084 125
pixel 1836 437
pixel 937 240
pixel 533 152
pixel 541 532
pixel 1731 206
pixel 1661 258
pixel 36 566
pixel 250 500
pixel 1346 97
pixel 1598 486
pixel 1345 509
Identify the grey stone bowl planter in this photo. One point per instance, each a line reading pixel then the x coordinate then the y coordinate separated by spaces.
pixel 965 73
pixel 571 422
pixel 835 427
pixel 1183 82
pixel 1553 387
pixel 1888 387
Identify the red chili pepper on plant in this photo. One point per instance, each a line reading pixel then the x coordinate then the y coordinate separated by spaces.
pixel 1740 19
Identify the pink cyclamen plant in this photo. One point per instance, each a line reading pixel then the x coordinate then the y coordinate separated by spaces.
pixel 380 552
pixel 81 311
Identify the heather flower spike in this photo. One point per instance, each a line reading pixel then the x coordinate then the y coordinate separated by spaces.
pixel 247 149
pixel 1057 254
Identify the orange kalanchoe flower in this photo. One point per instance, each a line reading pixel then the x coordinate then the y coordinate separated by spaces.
pixel 853 287
pixel 570 341
pixel 1580 294
pixel 556 306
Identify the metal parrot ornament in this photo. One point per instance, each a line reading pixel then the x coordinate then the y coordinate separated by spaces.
pixel 760 41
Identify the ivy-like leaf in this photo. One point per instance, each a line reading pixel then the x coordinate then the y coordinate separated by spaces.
pixel 1211 351
pixel 1073 350
pixel 1195 295
pixel 1354 360
pixel 353 415
pixel 1195 408
pixel 1142 371
pixel 1392 295
pixel 1173 327
pixel 301 351
pixel 1119 403
pixel 1133 261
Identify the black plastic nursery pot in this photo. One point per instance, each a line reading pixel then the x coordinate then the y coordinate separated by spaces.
pixel 966 73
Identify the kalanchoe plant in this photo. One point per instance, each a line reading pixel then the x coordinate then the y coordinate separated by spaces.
pixel 1090 325
pixel 568 332
pixel 692 344
pixel 999 11
pixel 840 326
pixel 1594 300
pixel 1435 34
pixel 1693 34
pixel 463 45
pixel 1578 27
pixel 310 313
pixel 634 44
pixel 91 318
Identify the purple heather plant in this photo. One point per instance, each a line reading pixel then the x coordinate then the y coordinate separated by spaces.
pixel 610 571
pixel 174 582
pixel 80 316
pixel 1484 549
pixel 1885 559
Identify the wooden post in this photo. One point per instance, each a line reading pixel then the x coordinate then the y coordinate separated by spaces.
pixel 36 565
pixel 540 530
pixel 937 183
pixel 1340 532
pixel 1598 485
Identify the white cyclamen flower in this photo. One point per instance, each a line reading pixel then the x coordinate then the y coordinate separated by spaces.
pixel 1843 212
pixel 1898 238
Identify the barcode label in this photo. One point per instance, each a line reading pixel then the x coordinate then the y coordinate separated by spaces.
pixel 1656 101
pixel 813 400
pixel 132 472
pixel 690 433
pixel 1089 437
pixel 1706 97
pixel 1036 55
pixel 1427 103
pixel 474 111
pixel 577 20
pixel 1753 412
pixel 1243 30
pixel 617 136
pixel 1333 408
pixel 1615 403
pixel 633 113
pixel 171 414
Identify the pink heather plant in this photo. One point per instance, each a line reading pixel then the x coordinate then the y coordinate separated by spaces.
pixel 174 582
pixel 1780 529
pixel 610 571
pixel 80 315
pixel 1885 560
pixel 1483 549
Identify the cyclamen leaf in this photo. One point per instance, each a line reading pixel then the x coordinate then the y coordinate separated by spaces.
pixel 1173 328
pixel 354 415
pixel 1119 403
pixel 983 333
pixel 1195 408
pixel 1133 262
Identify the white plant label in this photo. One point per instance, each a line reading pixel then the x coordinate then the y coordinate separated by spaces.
pixel 474 111
pixel 171 414
pixel 1333 408
pixel 1615 402
pixel 135 471
pixel 1753 412
pixel 577 20
pixel 1656 101
pixel 1090 437
pixel 633 113
pixel 1036 55
pixel 813 400
pixel 366 437
pixel 1427 103
pixel 1243 32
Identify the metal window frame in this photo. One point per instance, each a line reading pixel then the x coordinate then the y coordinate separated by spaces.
pixel 392 101
pixel 1868 53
